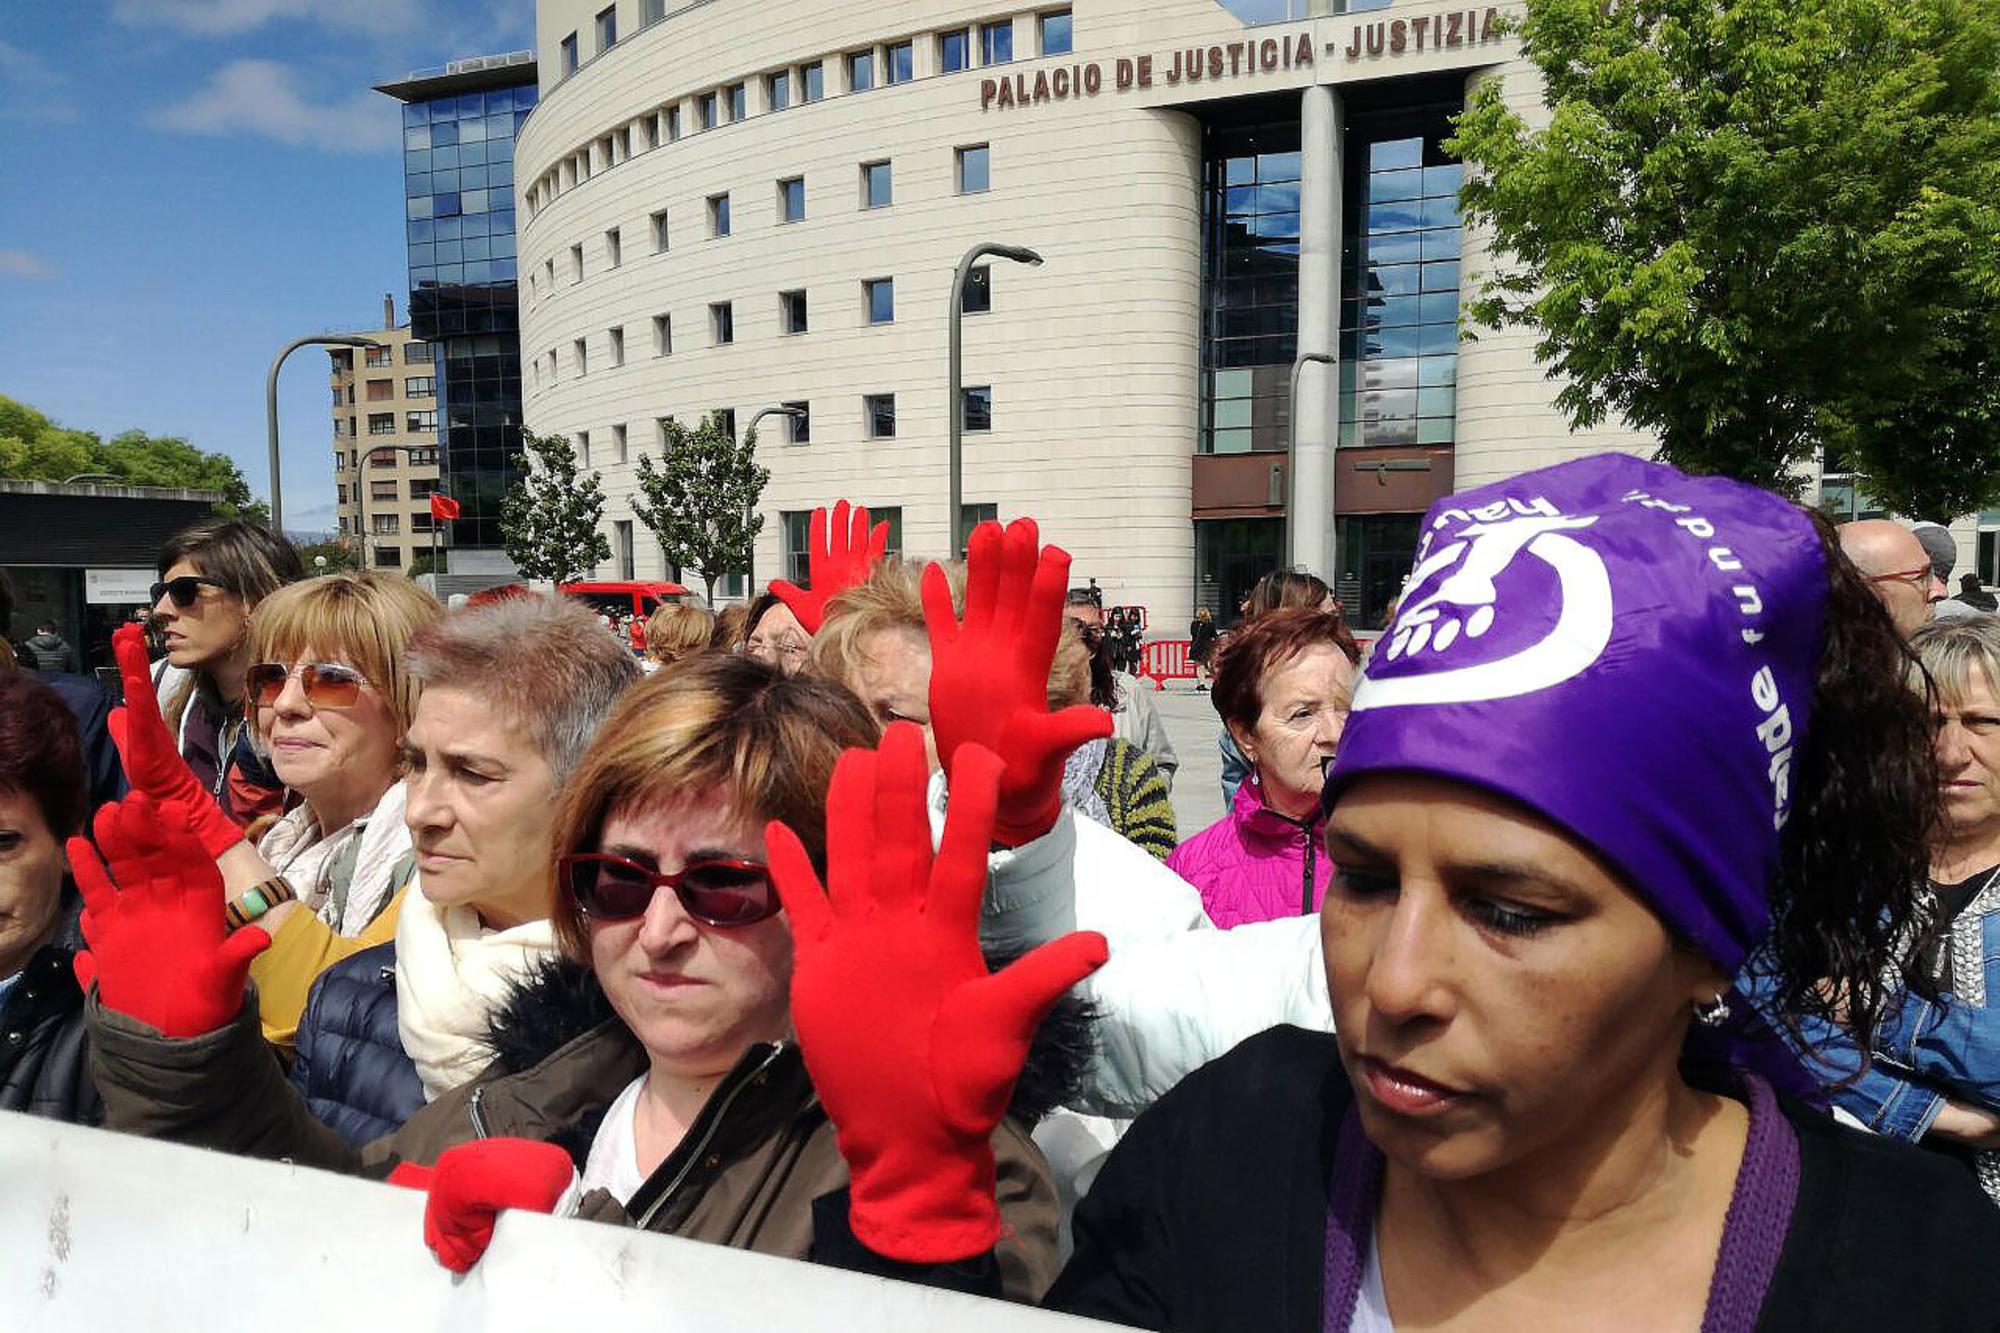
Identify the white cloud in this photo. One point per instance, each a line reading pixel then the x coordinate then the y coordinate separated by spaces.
pixel 224 18
pixel 31 89
pixel 264 97
pixel 21 264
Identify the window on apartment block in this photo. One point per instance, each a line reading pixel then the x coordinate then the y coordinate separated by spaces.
pixel 978 407
pixel 381 423
pixel 420 386
pixel 792 311
pixel 792 199
pixel 900 62
pixel 708 110
pixel 878 415
pixel 580 352
pixel 576 263
pixel 569 55
pixel 379 390
pixel 812 82
pixel 616 338
pixel 860 71
pixel 718 215
pixel 974 170
pixel 607 28
pixel 798 423
pixel 737 96
pixel 778 90
pixel 722 323
pixel 663 335
pixel 878 300
pixel 1057 35
pixel 660 232
pixel 996 42
pixel 618 443
pixel 614 248
pixel 877 185
pixel 954 50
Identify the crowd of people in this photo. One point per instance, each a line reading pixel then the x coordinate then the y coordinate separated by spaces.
pixel 1609 946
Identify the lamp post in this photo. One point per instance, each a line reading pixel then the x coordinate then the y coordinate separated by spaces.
pixel 271 407
pixel 361 498
pixel 1020 255
pixel 794 415
pixel 1292 449
pixel 89 476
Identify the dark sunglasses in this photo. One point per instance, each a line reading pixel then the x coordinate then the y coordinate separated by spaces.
pixel 718 893
pixel 326 684
pixel 184 589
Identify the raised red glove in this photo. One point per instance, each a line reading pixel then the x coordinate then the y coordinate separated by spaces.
pixel 990 675
pixel 473 1182
pixel 835 561
pixel 159 951
pixel 152 760
pixel 913 1046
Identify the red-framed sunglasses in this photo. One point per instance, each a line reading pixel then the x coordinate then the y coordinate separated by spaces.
pixel 717 892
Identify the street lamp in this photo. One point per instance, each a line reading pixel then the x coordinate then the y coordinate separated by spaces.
pixel 1292 449
pixel 794 415
pixel 1020 255
pixel 271 405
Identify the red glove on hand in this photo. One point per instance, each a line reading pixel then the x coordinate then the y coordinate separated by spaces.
pixel 835 562
pixel 152 760
pixel 159 950
pixel 913 1046
pixel 990 676
pixel 470 1185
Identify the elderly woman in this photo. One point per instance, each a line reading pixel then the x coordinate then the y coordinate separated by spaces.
pixel 1630 729
pixel 1280 590
pixel 666 1072
pixel 1282 686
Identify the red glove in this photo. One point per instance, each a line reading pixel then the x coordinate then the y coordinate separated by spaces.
pixel 990 676
pixel 159 951
pixel 473 1182
pixel 152 760
pixel 913 1046
pixel 835 562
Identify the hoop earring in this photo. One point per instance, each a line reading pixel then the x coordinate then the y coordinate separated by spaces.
pixel 1711 1013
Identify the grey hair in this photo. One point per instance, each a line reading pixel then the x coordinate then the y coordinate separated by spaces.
pixel 1951 649
pixel 546 660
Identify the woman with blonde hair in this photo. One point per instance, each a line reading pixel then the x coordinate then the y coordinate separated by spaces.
pixel 676 630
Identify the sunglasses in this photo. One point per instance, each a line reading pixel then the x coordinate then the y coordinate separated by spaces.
pixel 184 589
pixel 1916 578
pixel 326 684
pixel 718 893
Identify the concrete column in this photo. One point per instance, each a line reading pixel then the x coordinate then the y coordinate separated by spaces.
pixel 1316 409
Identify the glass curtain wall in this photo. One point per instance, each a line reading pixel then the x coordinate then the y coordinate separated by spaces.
pixel 1250 286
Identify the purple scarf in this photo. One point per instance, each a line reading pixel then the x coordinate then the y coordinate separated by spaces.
pixel 1753 1233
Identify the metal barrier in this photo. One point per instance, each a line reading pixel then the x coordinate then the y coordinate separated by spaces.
pixel 1167 659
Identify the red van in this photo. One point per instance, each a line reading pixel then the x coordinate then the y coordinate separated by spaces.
pixel 632 600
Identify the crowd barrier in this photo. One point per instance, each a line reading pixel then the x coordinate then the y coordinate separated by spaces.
pixel 101 1232
pixel 1167 659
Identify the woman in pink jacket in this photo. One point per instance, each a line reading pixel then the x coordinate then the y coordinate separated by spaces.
pixel 1282 686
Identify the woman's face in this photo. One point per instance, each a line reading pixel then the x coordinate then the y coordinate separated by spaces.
pixel 779 640
pixel 31 875
pixel 1305 708
pixel 893 677
pixel 1496 991
pixel 206 632
pixel 695 995
pixel 331 755
pixel 481 807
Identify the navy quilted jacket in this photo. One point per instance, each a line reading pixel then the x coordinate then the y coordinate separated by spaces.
pixel 351 1068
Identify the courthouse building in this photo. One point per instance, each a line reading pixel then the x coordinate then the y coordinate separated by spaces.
pixel 734 207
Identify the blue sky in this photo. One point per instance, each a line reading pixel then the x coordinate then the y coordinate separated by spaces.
pixel 187 185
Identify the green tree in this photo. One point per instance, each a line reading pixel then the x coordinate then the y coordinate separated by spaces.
pixel 34 448
pixel 338 553
pixel 425 563
pixel 549 518
pixel 1761 229
pixel 700 499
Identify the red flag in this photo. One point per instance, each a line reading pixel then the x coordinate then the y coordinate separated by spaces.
pixel 443 506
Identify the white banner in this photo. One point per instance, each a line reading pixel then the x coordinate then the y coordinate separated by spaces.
pixel 102 1233
pixel 118 587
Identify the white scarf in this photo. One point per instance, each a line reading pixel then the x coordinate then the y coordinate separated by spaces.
pixel 299 850
pixel 451 975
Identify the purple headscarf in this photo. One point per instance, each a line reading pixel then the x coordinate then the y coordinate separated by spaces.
pixel 1626 650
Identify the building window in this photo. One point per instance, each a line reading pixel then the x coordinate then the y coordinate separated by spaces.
pixel 415 353
pixel 425 457
pixel 900 62
pixel 651 11
pixel 549 273
pixel 1057 36
pixel 718 215
pixel 386 525
pixel 618 443
pixel 617 340
pixel 878 300
pixel 381 356
pixel 796 527
pixel 663 335
pixel 569 55
pixel 621 546
pixel 381 390
pixel 388 557
pixel 580 351
pixel 614 248
pixel 974 171
pixel 878 415
pixel 576 263
pixel 421 521
pixel 860 71
pixel 341 493
pixel 737 96
pixel 778 90
pixel 792 199
pixel 673 119
pixel 996 42
pixel 583 448
pixel 722 323
pixel 422 488
pixel 660 232
pixel 708 109
pixel 420 423
pixel 812 81
pixel 420 386
pixel 954 50
pixel 339 428
pixel 381 490
pixel 977 298
pixel 652 124
pixel 607 28
pixel 877 187
pixel 381 423
pixel 792 311
pixel 725 417
pixel 798 423
pixel 978 408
